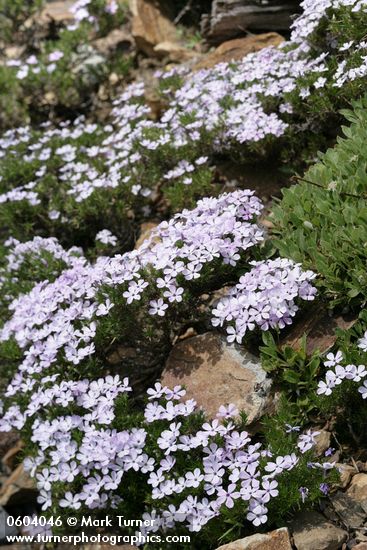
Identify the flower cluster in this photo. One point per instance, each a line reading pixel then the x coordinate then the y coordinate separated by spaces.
pixel 81 459
pixel 56 438
pixel 34 66
pixel 264 297
pixel 337 372
pixel 26 264
pixel 179 250
pixel 81 11
pixel 21 252
pixel 51 150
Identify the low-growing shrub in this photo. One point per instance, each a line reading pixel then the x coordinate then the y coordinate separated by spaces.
pixel 305 379
pixel 320 222
pixel 296 373
pixel 91 451
pixel 311 480
pixel 14 13
pixel 13 109
pixel 344 384
pixel 36 203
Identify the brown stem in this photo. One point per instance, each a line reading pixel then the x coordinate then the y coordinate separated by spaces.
pixel 184 10
pixel 342 193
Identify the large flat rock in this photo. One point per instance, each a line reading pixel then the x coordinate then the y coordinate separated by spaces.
pixel 216 373
pixel 234 50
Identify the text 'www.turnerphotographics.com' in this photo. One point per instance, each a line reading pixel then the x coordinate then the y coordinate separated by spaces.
pixel 119 524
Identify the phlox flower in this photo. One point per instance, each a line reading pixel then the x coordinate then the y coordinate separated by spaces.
pixel 227 411
pixel 193 479
pixel 333 359
pixel 307 441
pixel 363 390
pixel 227 496
pixel 257 513
pixel 158 307
pixel 304 493
pixel 70 501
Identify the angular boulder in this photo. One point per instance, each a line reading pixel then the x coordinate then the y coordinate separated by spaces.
pixel 311 531
pixel 150 25
pixel 348 510
pixel 234 50
pixel 346 473
pixel 216 373
pixel 320 328
pixel 358 488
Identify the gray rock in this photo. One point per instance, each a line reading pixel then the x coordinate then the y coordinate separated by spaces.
pixel 349 511
pixel 311 531
pixel 230 18
pixel 88 64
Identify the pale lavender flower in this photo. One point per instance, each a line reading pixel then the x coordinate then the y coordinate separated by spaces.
pixel 304 493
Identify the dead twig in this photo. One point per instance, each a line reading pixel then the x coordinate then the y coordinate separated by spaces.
pixel 183 12
pixel 341 193
pixel 354 463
